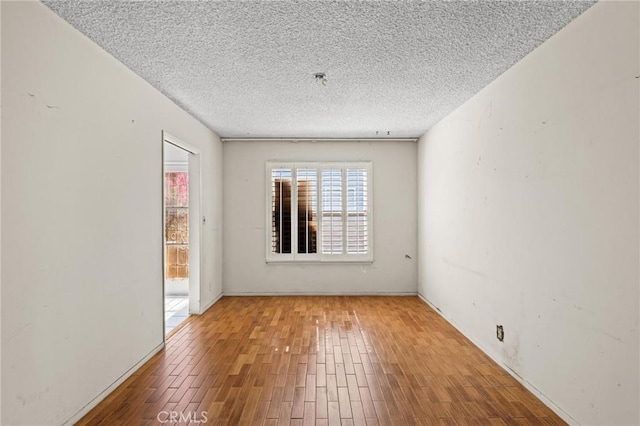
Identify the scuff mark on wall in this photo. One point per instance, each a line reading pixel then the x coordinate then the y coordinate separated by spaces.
pixel 612 336
pixel 18 331
pixel 488 112
pixel 464 268
pixel 24 400
pixel 511 353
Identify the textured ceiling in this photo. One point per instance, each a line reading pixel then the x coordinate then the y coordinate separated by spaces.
pixel 245 69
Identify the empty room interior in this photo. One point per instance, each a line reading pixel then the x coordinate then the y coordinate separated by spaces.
pixel 320 213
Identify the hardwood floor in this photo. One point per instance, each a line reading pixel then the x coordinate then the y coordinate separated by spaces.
pixel 323 361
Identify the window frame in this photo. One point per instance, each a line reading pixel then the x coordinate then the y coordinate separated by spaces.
pixel 318 257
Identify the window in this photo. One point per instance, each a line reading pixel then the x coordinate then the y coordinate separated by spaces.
pixel 319 212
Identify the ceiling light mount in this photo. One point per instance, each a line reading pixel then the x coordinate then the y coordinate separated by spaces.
pixel 321 77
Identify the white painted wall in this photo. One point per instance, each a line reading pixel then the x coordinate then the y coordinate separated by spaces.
pixel 82 216
pixel 528 217
pixel 394 220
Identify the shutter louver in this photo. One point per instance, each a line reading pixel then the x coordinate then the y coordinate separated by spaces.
pixel 332 221
pixel 357 211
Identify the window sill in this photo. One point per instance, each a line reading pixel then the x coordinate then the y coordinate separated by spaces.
pixel 320 262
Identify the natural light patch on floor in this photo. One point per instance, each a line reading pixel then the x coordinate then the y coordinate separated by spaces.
pixel 176 310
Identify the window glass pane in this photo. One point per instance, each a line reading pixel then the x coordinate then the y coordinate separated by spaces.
pixel 307 184
pixel 281 210
pixel 357 211
pixel 332 211
pixel 176 225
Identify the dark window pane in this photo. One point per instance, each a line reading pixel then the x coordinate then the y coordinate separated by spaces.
pixel 307 184
pixel 281 210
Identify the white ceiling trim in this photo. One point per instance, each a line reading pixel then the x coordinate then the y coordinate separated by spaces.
pixel 312 140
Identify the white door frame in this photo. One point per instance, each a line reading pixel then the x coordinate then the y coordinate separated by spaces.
pixel 195 222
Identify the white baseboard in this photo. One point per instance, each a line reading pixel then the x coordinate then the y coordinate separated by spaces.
pixel 210 304
pixel 412 293
pixel 542 397
pixel 95 401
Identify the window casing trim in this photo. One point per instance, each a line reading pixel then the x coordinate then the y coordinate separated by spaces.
pixel 318 257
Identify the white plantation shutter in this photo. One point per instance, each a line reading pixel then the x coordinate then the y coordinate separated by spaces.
pixel 319 212
pixel 332 235
pixel 357 211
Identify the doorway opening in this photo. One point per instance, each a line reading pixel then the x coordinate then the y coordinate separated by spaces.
pixel 181 231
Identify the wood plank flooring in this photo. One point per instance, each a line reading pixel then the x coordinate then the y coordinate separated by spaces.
pixel 320 361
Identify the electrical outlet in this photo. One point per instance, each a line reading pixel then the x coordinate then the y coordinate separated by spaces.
pixel 500 333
